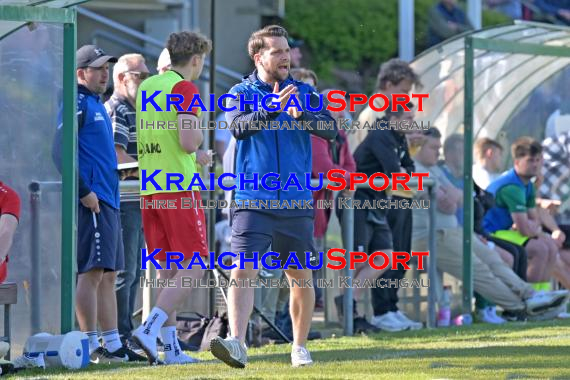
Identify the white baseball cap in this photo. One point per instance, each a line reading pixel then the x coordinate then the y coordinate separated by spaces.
pixel 163 60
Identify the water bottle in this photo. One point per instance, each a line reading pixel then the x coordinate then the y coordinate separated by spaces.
pixel 444 309
pixel 463 320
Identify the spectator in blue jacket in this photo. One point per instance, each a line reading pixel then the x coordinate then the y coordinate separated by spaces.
pixel 446 20
pixel 99 239
pixel 279 151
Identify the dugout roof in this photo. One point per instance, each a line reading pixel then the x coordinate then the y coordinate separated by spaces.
pixel 8 27
pixel 503 81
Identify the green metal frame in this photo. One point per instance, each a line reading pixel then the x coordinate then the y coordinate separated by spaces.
pixel 67 17
pixel 499 46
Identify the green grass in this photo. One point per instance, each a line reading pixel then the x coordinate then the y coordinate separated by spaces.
pixel 519 350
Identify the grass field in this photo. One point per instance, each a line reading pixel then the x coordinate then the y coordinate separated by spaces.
pixel 519 350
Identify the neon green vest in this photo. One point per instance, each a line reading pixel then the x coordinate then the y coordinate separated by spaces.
pixel 160 149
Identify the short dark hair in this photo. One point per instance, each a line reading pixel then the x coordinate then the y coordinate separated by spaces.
pixel 399 110
pixel 432 132
pixel 256 41
pixel 395 71
pixel 484 143
pixel 183 45
pixel 525 146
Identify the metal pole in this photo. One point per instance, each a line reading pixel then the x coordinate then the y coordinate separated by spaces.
pixel 195 16
pixel 474 12
pixel 185 14
pixel 432 269
pixel 36 279
pixel 210 146
pixel 406 29
pixel 348 238
pixel 69 179
pixel 468 182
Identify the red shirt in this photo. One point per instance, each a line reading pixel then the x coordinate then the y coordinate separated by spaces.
pixel 9 204
pixel 322 163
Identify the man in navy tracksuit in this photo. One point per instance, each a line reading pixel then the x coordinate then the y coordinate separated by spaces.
pixel 263 151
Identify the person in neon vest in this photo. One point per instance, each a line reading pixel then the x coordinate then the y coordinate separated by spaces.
pixel 172 151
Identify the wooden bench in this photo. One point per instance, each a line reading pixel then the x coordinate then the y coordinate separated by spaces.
pixel 8 297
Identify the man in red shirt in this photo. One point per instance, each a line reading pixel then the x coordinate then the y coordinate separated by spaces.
pixel 9 217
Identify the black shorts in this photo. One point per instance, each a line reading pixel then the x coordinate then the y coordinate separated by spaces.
pixel 99 239
pixel 256 231
pixel 371 233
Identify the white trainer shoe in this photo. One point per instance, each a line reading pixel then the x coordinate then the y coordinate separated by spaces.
pixel 300 357
pixel 147 343
pixel 230 350
pixel 405 320
pixel 489 315
pixel 181 358
pixel 389 322
pixel 492 312
pixel 543 301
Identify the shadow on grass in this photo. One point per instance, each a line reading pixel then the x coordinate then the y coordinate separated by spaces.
pixel 514 361
pixel 512 357
pixel 466 333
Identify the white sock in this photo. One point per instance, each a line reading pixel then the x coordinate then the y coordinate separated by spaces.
pixel 171 346
pixel 297 347
pixel 112 340
pixel 154 322
pixel 93 341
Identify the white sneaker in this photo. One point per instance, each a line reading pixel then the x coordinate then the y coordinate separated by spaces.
pixel 492 312
pixel 147 343
pixel 541 302
pixel 563 315
pixel 548 314
pixel 300 357
pixel 230 350
pixel 181 358
pixel 405 320
pixel 389 322
pixel 488 315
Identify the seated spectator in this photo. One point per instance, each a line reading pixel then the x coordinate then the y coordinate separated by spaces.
pixel 445 20
pixel 515 218
pixel 492 278
pixel 9 217
pixel 514 256
pixel 452 166
pixel 510 8
pixel 488 155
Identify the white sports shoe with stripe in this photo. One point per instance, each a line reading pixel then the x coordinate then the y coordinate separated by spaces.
pixel 300 357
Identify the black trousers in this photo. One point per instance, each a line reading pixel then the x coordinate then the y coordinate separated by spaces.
pixel 385 300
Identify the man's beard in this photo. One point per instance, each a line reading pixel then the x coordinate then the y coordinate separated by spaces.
pixel 274 74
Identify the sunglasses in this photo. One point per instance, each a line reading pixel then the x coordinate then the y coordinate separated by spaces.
pixel 139 75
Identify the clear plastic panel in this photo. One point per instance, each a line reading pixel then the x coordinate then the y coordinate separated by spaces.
pixel 544 69
pixel 31 81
